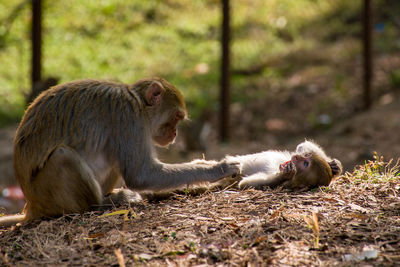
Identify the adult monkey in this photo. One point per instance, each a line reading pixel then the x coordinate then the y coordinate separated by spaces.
pixel 78 138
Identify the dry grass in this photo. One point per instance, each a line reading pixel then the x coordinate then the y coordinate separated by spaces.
pixel 357 214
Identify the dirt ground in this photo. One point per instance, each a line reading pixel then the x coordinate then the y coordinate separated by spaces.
pixel 347 224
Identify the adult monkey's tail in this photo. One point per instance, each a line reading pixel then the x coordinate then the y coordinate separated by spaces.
pixel 10 220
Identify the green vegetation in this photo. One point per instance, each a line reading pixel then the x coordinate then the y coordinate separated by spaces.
pixel 179 40
pixel 375 171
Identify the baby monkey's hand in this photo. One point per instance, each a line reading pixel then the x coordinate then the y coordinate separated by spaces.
pixel 288 169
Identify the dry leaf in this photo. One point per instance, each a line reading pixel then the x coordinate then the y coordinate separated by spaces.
pixel 118 212
pixel 357 208
pixel 227 218
pixel 120 257
pixel 96 235
pixel 261 238
pixel 276 213
pixel 145 256
pixel 358 216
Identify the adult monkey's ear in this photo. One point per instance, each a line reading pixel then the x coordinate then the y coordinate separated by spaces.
pixel 154 93
pixel 336 167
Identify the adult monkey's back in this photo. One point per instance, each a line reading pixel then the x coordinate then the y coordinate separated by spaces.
pixel 77 139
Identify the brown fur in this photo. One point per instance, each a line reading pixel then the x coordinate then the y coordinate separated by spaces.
pixel 77 139
pixel 318 174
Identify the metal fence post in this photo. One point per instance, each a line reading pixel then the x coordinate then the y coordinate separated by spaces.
pixel 225 73
pixel 367 53
pixel 36 32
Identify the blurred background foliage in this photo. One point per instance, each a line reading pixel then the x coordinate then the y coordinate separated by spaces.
pixel 284 52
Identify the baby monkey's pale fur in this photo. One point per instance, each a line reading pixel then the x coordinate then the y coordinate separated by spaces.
pixel 288 169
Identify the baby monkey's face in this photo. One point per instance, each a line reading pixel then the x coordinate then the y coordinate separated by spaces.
pixel 302 161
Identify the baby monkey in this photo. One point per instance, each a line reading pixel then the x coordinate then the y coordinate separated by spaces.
pixel 306 168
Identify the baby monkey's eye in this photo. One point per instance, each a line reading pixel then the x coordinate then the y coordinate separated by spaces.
pixel 306 163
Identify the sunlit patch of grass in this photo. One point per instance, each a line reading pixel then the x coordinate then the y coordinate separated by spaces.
pixel 375 171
